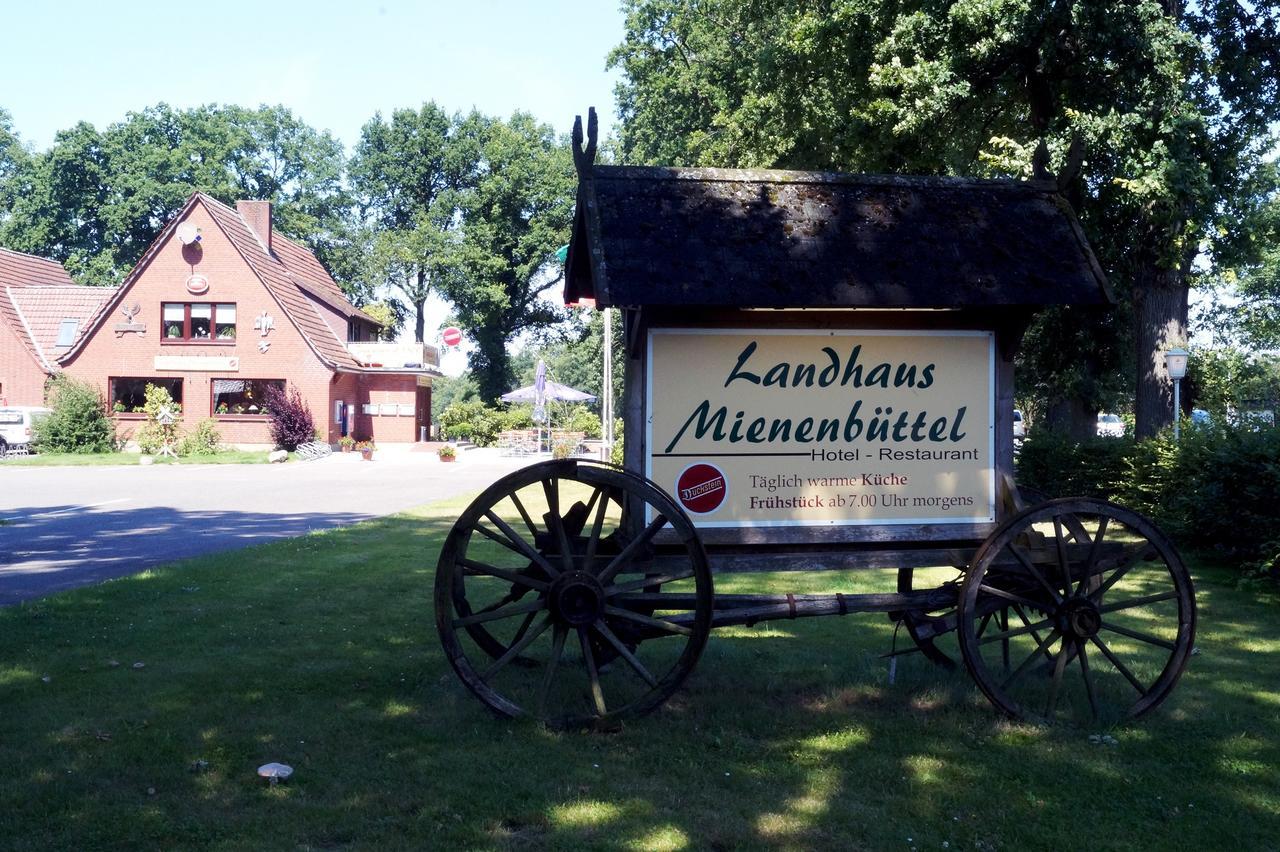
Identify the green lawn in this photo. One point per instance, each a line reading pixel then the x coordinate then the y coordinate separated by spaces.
pixel 321 652
pixel 95 459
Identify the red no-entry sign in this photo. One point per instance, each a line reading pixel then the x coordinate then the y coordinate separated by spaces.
pixel 451 336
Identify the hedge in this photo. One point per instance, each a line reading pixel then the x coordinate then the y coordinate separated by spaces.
pixel 1217 488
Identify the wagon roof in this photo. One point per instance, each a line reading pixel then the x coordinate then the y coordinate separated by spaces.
pixel 773 239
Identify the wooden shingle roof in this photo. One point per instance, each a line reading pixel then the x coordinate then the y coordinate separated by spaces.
pixel 772 239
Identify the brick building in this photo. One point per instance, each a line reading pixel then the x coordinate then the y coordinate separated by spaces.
pixel 42 314
pixel 220 308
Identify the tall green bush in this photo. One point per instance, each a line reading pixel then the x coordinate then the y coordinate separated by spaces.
pixel 1215 488
pixel 471 421
pixel 151 435
pixel 78 422
pixel 206 440
pixel 583 419
pixel 1060 466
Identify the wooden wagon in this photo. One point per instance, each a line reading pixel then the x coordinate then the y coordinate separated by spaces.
pixel 819 376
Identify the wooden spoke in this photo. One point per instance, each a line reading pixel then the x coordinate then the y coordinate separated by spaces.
pixel 557 648
pixel 516 648
pixel 1094 552
pixel 1139 635
pixel 1055 686
pixel 655 623
pixel 625 653
pixel 982 625
pixel 1064 564
pixel 1022 616
pixel 1016 631
pixel 1010 596
pixel 1143 601
pixel 1079 534
pixel 551 487
pixel 623 559
pixel 524 514
pixel 1120 667
pixel 1090 561
pixel 515 542
pixel 1088 680
pixel 1025 664
pixel 596 494
pixel 524 626
pixel 537 597
pixel 1004 646
pixel 485 569
pixel 594 541
pixel 659 580
pixel 1034 572
pixel 1137 553
pixel 597 694
pixel 495 615
pixel 465 607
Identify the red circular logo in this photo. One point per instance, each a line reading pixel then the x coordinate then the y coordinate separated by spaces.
pixel 701 488
pixel 451 336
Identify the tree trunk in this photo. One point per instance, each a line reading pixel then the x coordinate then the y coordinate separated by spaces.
pixel 489 363
pixel 1160 320
pixel 420 303
pixel 1072 417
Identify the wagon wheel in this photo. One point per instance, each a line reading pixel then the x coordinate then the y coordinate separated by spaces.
pixel 573 592
pixel 1102 614
pixel 926 629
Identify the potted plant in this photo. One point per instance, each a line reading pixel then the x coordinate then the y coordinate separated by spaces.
pixel 366 449
pixel 447 453
pixel 347 443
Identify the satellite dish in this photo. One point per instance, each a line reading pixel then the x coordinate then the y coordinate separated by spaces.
pixel 188 233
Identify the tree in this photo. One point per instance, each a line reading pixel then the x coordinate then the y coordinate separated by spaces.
pixel 96 200
pixel 406 173
pixel 389 315
pixel 15 160
pixel 1173 106
pixel 513 219
pixel 578 360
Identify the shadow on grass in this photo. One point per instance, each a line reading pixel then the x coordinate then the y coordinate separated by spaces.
pixel 321 652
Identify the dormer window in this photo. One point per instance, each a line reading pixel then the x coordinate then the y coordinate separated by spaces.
pixel 201 322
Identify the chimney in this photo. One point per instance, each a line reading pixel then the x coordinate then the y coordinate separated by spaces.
pixel 257 214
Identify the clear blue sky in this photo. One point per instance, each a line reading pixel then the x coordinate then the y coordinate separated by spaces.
pixel 333 63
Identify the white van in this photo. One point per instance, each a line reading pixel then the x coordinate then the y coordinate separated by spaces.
pixel 15 427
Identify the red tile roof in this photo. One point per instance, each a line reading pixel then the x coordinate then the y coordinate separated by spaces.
pixel 37 312
pixel 275 276
pixel 27 270
pixel 290 274
pixel 309 274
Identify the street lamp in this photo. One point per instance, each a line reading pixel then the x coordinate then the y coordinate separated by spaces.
pixel 1175 361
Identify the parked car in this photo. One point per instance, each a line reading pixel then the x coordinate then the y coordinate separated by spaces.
pixel 15 427
pixel 1110 426
pixel 1019 426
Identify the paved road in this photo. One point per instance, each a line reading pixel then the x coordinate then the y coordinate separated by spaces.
pixel 75 526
